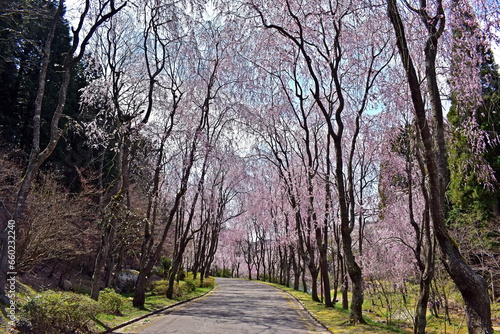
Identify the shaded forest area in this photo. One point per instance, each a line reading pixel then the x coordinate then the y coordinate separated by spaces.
pixel 345 149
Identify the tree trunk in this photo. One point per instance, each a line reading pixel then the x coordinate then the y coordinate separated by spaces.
pixel 322 232
pixel 421 310
pixel 304 282
pixel 353 268
pixel 296 270
pixel 282 265
pixel 288 273
pixel 427 246
pixel 345 289
pixel 314 281
pixel 173 275
pixel 100 262
pixel 108 271
pixel 471 285
pixel 249 272
pixel 325 276
pixel 140 290
pixel 323 264
pixel 200 251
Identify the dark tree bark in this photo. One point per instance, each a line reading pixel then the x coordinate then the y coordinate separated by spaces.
pixel 322 233
pixel 296 269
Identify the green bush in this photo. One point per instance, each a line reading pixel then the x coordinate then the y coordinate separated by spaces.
pixel 182 287
pixel 208 282
pixel 61 312
pixel 179 289
pixel 159 288
pixel 111 302
pixel 163 267
pixel 224 273
pixel 191 284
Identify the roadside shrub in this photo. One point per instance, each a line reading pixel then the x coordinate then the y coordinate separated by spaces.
pixel 190 284
pixel 226 272
pixel 159 287
pixel 61 312
pixel 179 289
pixel 208 282
pixel 111 302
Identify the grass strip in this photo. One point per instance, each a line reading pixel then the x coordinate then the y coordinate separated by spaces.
pixel 336 319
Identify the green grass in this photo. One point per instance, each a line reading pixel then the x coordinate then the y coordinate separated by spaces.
pixel 337 319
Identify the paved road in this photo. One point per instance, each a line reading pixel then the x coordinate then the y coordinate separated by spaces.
pixel 236 307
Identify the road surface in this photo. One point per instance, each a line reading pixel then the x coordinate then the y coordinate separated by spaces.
pixel 235 307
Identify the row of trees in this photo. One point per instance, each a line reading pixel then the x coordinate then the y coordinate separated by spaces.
pixel 301 142
pixel 155 137
pixel 354 130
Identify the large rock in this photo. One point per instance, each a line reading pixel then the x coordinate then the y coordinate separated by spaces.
pixel 125 280
pixel 66 285
pixel 154 278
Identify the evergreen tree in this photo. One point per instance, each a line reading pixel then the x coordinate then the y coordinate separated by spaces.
pixel 23 29
pixel 470 199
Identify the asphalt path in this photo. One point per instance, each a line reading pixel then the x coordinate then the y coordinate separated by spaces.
pixel 235 307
